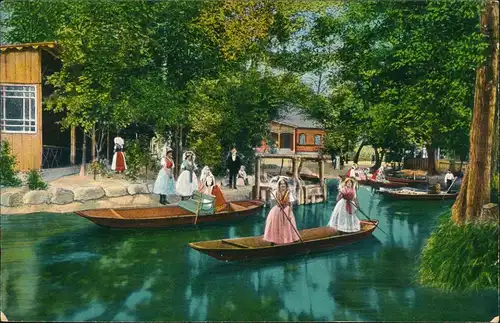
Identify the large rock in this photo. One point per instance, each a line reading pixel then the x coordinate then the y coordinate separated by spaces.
pixel 88 193
pixel 114 191
pixel 12 199
pixel 59 195
pixel 36 197
pixel 137 189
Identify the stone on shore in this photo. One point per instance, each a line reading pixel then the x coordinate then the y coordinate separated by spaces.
pixel 137 189
pixel 88 193
pixel 12 199
pixel 36 197
pixel 59 195
pixel 115 191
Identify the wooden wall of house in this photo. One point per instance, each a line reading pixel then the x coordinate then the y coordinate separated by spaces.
pixel 24 67
pixel 309 146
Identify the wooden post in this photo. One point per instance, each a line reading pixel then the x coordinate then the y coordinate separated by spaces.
pixel 322 178
pixel 257 178
pixel 300 195
pixel 93 143
pixel 278 141
pixel 72 154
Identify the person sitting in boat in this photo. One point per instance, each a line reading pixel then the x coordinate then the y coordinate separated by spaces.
pixel 243 175
pixel 208 186
pixel 119 164
pixel 187 182
pixel 343 217
pixel 351 172
pixel 448 178
pixel 379 175
pixel 165 181
pixel 280 224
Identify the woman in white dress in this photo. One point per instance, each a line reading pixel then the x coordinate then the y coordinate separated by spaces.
pixel 187 182
pixel 165 182
pixel 344 217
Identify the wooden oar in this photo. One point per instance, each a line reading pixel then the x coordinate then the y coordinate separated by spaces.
pixel 376 225
pixel 284 214
pixel 198 210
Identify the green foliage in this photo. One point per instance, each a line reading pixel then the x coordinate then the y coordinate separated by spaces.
pixel 34 180
pixel 494 188
pixel 99 167
pixel 135 159
pixel 8 174
pixel 236 108
pixel 461 257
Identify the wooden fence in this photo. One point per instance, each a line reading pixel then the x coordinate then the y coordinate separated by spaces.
pixel 442 165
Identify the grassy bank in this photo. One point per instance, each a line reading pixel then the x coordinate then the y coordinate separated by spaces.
pixel 460 257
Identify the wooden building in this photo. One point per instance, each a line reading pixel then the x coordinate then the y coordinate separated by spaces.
pixel 295 133
pixel 21 101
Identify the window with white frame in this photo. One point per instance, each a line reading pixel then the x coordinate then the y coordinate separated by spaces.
pixel 18 108
pixel 317 140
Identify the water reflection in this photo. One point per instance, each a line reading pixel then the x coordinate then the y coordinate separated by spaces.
pixel 64 268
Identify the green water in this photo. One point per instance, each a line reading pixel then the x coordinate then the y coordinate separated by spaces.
pixel 65 268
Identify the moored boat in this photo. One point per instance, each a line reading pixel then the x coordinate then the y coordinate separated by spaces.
pixel 377 184
pixel 417 195
pixel 168 216
pixel 314 240
pixel 407 180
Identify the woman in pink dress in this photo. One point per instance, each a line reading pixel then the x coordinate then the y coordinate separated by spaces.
pixel 280 224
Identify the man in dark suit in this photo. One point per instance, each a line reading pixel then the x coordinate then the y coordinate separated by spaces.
pixel 233 164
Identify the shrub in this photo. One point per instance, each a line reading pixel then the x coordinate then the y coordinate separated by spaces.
pixel 134 157
pixel 460 257
pixel 35 181
pixel 99 167
pixel 8 174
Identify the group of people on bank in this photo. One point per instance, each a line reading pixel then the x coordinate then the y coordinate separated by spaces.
pixel 187 182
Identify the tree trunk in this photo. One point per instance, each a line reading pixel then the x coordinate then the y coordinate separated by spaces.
pixel 431 160
pixel 476 186
pixel 84 154
pixel 356 157
pixel 94 143
pixel 378 160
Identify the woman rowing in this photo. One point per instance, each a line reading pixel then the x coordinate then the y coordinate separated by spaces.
pixel 343 217
pixel 280 224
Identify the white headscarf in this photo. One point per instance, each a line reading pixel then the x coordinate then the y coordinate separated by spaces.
pixel 344 182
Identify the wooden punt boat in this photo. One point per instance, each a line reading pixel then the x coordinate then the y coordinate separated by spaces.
pixel 407 180
pixel 421 196
pixel 249 248
pixel 376 184
pixel 167 216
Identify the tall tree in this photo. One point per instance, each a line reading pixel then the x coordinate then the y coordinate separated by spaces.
pixel 475 189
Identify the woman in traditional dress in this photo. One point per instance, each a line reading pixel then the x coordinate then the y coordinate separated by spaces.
pixel 243 174
pixel 208 186
pixel 344 217
pixel 280 224
pixel 165 182
pixel 351 172
pixel 119 165
pixel 187 182
pixel 378 175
